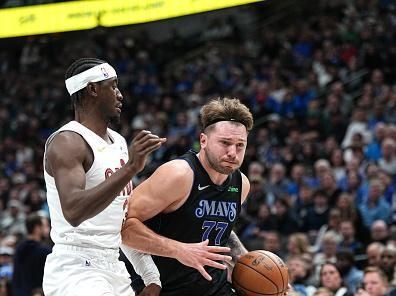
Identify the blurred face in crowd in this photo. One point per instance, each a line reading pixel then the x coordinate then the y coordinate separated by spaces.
pixel 388 259
pixel 330 277
pixel 344 202
pixel 224 146
pixel 376 190
pixel 292 246
pixel 353 180
pixel 297 268
pixel 277 173
pixel 305 194
pixel 379 230
pixel 297 173
pixel 388 148
pixel 271 242
pixel 347 230
pixel 320 200
pixel 374 284
pixel 373 253
pixel 328 181
pixel 329 247
pixel 336 157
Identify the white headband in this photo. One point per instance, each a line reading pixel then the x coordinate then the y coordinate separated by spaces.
pixel 98 73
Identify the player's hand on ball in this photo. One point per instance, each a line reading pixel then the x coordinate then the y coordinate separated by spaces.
pixel 199 255
pixel 151 290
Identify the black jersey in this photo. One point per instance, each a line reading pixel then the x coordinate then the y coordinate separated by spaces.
pixel 209 212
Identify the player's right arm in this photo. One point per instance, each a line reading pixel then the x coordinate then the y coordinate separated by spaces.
pixel 68 157
pixel 165 191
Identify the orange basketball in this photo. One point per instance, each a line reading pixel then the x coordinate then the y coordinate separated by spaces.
pixel 260 273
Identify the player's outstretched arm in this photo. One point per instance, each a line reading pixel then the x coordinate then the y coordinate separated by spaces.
pixel 66 158
pixel 165 191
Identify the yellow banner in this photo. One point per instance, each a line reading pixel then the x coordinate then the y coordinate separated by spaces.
pixel 81 15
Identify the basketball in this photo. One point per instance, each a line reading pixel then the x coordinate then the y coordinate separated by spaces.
pixel 260 272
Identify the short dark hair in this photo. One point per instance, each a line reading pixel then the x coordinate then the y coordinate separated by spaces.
pixel 32 221
pixel 77 67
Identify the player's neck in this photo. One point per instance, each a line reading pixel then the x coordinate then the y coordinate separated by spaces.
pixel 98 126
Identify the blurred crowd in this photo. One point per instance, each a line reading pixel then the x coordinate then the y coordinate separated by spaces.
pixel 321 159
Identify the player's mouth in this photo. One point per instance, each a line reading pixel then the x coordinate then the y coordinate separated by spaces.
pixel 119 108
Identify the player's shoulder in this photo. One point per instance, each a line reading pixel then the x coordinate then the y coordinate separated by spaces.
pixel 66 137
pixel 66 141
pixel 177 168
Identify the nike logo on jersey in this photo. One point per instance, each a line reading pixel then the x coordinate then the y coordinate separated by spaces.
pixel 101 149
pixel 203 187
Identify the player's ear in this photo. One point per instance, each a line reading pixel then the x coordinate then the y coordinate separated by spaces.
pixel 92 89
pixel 203 138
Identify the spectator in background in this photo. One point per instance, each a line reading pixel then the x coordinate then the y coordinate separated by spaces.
pixel 277 184
pixel 286 223
pixel 373 252
pixel 387 162
pixel 303 202
pixel 328 184
pixel 13 221
pixel 375 207
pixel 373 149
pixel 347 206
pixel 317 215
pixel 299 276
pixel 337 164
pixel 349 240
pixel 388 263
pixel 6 267
pixel 273 243
pixel 298 245
pixel 254 233
pixel 375 283
pixel 379 232
pixel 332 225
pixel 298 178
pixel 30 256
pixel 351 275
pixel 327 252
pixel 330 278
pixel 353 185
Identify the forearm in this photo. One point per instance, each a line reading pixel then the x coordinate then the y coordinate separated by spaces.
pixel 143 265
pixel 236 246
pixel 138 236
pixel 81 205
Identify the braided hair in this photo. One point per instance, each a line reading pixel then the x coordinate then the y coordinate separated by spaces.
pixel 77 67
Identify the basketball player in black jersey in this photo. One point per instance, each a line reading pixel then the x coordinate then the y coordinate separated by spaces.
pixel 195 201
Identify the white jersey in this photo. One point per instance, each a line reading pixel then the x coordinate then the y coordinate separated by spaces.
pixel 103 230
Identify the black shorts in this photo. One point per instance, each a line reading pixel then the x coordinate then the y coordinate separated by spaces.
pixel 226 290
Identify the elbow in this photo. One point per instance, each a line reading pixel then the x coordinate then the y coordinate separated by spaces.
pixel 128 228
pixel 74 223
pixel 73 218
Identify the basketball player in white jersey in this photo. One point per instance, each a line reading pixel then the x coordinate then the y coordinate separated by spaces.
pixel 88 170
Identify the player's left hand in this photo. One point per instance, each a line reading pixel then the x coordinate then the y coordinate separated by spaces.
pixel 151 290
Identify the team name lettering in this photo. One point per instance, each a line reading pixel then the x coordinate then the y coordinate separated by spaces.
pixel 128 188
pixel 216 208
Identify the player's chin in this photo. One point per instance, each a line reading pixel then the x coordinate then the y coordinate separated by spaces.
pixel 227 170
